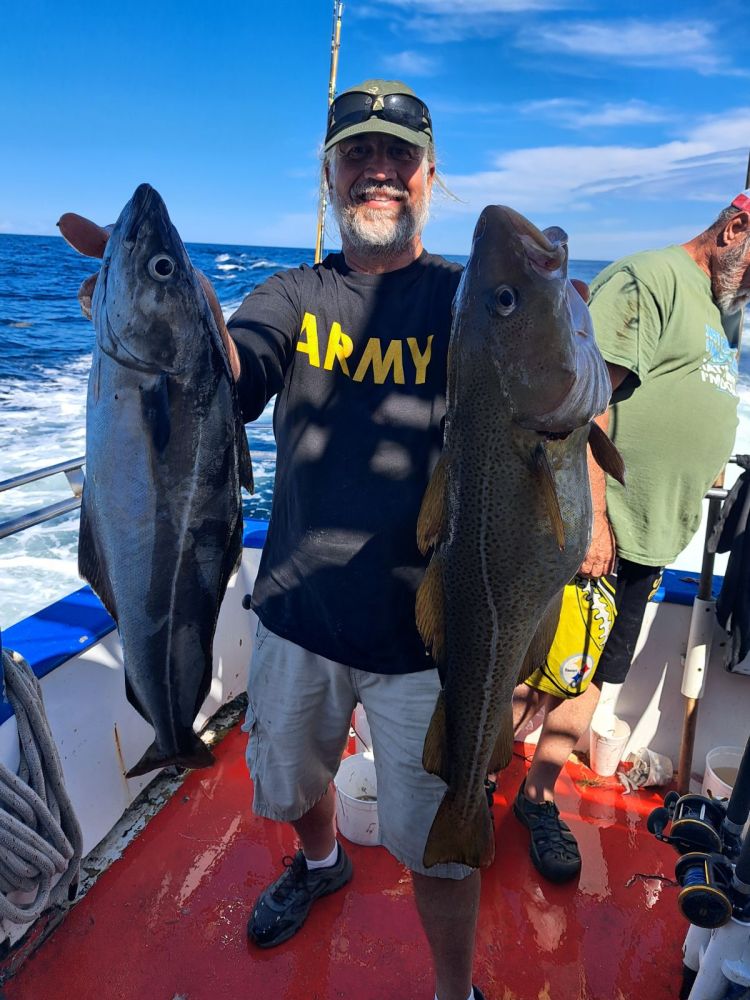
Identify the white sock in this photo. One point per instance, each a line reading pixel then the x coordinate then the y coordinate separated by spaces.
pixel 469 997
pixel 326 862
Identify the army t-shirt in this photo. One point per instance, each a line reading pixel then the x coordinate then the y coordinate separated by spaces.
pixel 674 419
pixel 358 365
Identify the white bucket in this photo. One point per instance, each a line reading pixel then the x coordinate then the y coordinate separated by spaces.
pixel 722 764
pixel 606 748
pixel 357 799
pixel 362 738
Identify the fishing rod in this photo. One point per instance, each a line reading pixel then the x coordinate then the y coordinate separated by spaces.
pixel 338 9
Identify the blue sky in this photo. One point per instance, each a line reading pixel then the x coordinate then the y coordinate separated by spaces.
pixel 626 124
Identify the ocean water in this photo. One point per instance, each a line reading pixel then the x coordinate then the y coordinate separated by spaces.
pixel 45 353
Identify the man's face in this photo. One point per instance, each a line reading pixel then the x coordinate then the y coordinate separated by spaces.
pixel 731 277
pixel 380 192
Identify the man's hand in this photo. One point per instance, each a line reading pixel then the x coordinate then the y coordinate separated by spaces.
pixel 581 287
pixel 229 345
pixel 90 239
pixel 83 234
pixel 600 558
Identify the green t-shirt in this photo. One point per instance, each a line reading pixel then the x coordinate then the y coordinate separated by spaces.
pixel 674 420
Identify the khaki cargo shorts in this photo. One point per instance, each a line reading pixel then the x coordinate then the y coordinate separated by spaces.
pixel 298 717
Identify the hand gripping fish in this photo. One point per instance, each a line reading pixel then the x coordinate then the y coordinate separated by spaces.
pixel 508 509
pixel 166 452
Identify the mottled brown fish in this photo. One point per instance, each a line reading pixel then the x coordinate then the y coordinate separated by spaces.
pixel 508 510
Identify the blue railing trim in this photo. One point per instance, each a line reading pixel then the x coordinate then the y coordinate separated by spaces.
pixel 71 625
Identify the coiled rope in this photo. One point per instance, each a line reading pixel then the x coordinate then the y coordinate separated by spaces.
pixel 40 838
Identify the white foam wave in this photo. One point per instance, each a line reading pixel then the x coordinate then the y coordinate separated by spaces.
pixel 221 257
pixel 230 267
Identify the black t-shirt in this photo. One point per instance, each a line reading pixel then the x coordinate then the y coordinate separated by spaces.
pixel 359 364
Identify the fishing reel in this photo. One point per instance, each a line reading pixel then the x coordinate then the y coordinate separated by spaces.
pixel 695 823
pixel 704 871
pixel 706 881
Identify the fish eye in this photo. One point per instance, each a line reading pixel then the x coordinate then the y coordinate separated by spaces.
pixel 506 300
pixel 161 267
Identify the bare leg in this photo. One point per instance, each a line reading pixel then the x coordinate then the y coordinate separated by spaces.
pixel 526 703
pixel 449 909
pixel 564 724
pixel 317 828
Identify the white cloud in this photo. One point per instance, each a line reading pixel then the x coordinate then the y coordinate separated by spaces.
pixel 438 21
pixel 579 114
pixel 659 44
pixel 410 63
pixel 480 8
pixel 566 178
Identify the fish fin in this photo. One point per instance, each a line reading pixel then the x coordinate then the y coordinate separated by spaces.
pixel 155 411
pixel 245 460
pixel 432 514
pixel 433 754
pixel 546 479
pixel 453 838
pixel 605 453
pixel 198 756
pixel 502 753
pixel 542 639
pixel 90 566
pixel 430 609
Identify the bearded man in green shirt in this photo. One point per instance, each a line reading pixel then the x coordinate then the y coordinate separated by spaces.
pixel 664 321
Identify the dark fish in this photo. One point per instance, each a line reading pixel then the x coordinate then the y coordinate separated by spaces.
pixel 166 451
pixel 508 510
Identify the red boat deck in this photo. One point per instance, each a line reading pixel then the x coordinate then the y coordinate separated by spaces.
pixel 167 921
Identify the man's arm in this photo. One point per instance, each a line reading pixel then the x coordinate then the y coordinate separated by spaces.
pixel 600 558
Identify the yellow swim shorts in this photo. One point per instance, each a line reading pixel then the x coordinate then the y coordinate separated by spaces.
pixel 586 617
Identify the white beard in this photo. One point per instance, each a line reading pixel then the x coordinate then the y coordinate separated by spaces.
pixel 379 233
pixel 727 287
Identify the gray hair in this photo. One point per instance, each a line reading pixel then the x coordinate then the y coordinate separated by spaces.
pixel 724 217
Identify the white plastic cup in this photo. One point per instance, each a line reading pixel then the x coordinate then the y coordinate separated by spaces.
pixel 721 764
pixel 357 799
pixel 606 748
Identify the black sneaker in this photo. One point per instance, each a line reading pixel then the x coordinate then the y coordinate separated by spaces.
pixel 553 848
pixel 282 908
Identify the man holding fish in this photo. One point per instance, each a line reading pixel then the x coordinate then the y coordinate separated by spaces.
pixel 356 352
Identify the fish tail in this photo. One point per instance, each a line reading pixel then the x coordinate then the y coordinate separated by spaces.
pixel 466 840
pixel 194 756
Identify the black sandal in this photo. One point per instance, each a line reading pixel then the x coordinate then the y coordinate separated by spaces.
pixel 553 848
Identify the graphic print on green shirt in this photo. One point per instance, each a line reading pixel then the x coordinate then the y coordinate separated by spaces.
pixel 675 422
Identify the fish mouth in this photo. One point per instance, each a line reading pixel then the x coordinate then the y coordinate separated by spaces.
pixel 141 206
pixel 546 251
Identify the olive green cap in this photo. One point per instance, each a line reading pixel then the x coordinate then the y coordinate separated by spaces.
pixel 380 88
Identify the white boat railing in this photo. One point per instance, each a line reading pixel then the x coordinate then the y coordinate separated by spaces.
pixel 73 471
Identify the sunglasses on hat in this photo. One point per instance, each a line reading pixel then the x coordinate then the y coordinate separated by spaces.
pixel 353 108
